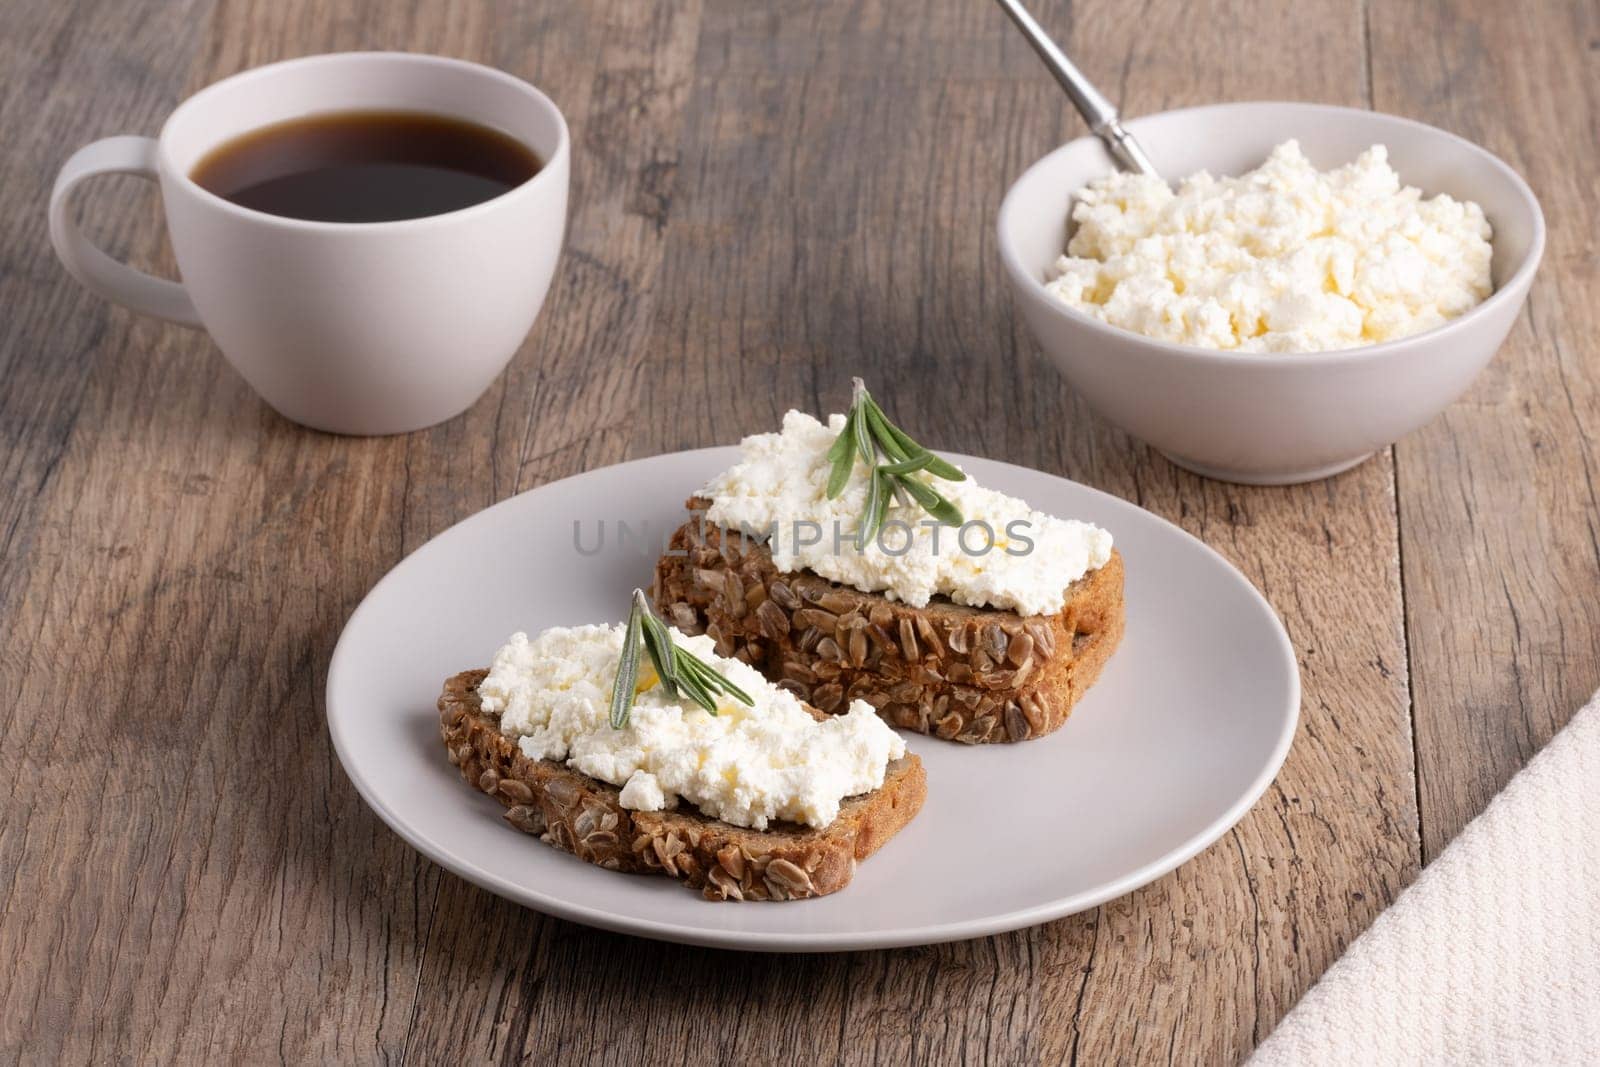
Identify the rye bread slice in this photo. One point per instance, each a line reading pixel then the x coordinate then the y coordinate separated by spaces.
pixel 960 673
pixel 582 815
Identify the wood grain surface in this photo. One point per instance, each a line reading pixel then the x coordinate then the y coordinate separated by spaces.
pixel 766 200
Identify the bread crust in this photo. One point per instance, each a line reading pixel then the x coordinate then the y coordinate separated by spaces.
pixel 966 674
pixel 583 816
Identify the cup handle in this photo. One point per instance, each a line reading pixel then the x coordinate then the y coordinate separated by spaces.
pixel 98 272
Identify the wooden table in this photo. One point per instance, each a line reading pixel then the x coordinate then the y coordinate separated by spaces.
pixel 766 200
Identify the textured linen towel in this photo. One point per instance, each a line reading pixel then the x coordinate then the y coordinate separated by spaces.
pixel 1493 955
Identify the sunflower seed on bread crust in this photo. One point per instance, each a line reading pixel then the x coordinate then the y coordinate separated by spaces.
pixel 583 816
pixel 972 675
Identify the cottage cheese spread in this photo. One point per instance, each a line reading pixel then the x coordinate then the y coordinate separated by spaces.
pixel 778 489
pixel 744 765
pixel 1282 259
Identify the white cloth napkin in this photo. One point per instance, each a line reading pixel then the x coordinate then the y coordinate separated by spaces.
pixel 1493 955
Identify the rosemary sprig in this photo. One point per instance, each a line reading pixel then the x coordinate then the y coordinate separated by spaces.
pixel 868 433
pixel 622 690
pixel 843 457
pixel 679 670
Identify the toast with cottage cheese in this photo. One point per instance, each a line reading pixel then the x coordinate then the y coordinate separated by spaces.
pixel 584 816
pixel 966 674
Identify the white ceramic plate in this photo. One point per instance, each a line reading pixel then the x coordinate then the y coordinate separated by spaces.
pixel 1183 732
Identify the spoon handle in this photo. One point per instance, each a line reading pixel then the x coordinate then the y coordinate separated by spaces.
pixel 1090 102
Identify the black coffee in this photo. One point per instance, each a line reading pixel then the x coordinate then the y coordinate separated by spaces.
pixel 366 166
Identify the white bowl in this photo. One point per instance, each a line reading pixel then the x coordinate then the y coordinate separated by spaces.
pixel 1264 418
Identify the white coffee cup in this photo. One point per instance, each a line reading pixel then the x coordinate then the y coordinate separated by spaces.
pixel 355 328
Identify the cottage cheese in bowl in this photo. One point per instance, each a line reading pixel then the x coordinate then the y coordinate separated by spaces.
pixel 1285 258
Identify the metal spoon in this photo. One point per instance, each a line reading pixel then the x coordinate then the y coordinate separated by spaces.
pixel 1091 104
